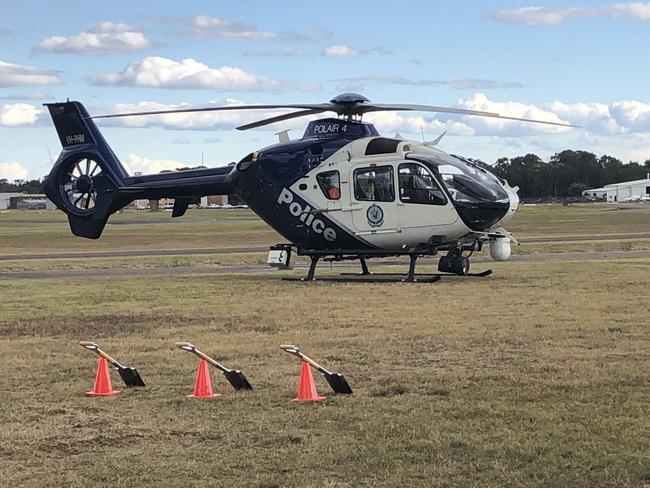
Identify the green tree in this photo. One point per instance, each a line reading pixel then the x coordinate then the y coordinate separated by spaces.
pixel 576 189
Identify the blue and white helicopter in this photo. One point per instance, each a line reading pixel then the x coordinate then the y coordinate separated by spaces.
pixel 341 192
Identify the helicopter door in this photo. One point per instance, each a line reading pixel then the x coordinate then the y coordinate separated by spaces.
pixel 421 202
pixel 372 199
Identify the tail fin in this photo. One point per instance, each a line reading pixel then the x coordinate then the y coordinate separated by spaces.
pixel 85 177
pixel 89 183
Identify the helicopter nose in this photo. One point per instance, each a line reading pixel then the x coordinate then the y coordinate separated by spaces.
pixel 513 198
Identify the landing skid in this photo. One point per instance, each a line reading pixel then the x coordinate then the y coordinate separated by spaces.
pixel 370 278
pixel 482 274
pixel 455 263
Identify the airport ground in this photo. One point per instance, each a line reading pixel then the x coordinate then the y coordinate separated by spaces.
pixel 535 376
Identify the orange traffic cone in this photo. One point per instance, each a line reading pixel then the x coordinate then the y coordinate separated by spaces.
pixel 102 386
pixel 203 384
pixel 306 387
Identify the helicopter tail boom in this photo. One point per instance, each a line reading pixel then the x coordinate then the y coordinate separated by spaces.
pixel 89 183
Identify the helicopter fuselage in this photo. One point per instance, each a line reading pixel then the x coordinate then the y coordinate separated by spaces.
pixel 342 186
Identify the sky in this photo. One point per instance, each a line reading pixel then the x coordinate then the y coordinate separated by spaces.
pixel 580 63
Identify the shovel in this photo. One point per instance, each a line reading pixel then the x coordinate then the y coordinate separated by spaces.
pixel 130 376
pixel 336 380
pixel 235 378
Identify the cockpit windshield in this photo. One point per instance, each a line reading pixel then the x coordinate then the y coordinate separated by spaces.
pixel 466 181
pixel 477 194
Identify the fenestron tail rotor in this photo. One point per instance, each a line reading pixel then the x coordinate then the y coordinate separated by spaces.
pixel 347 105
pixel 78 185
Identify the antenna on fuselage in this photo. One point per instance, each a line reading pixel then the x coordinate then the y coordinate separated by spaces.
pixel 49 153
pixel 435 141
pixel 283 135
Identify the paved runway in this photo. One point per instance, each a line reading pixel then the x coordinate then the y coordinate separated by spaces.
pixel 133 253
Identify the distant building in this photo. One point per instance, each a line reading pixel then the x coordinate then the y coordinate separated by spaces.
pixel 626 191
pixel 208 201
pixel 5 199
pixel 25 201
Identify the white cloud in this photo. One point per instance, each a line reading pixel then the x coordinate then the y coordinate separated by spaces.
pixel 226 120
pixel 277 53
pixel 460 84
pixel 391 122
pixel 13 171
pixel 340 50
pixel 548 17
pixel 159 72
pixel 595 117
pixel 204 26
pixel 19 75
pixel 493 126
pixel 535 16
pixel 633 10
pixel 27 96
pixel 139 164
pixel 106 37
pixel 19 115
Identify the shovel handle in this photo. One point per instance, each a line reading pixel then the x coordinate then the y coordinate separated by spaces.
pixel 94 347
pixel 189 347
pixel 296 352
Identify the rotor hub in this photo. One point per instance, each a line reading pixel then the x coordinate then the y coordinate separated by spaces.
pixel 349 98
pixel 84 183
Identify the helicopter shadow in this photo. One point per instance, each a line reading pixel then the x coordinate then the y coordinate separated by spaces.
pixel 388 277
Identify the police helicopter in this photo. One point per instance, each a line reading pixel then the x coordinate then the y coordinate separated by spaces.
pixel 340 192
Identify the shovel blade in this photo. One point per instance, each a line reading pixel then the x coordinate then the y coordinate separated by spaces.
pixel 130 376
pixel 338 383
pixel 237 380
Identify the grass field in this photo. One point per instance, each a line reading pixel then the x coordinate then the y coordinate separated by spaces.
pixel 535 376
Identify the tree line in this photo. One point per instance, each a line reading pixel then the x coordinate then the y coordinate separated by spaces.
pixel 21 186
pixel 567 173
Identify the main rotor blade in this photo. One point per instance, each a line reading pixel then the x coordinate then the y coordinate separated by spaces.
pixel 536 121
pixel 346 109
pixel 380 107
pixel 279 118
pixel 318 106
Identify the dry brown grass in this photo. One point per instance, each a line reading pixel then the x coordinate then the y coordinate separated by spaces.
pixel 536 376
pixel 48 232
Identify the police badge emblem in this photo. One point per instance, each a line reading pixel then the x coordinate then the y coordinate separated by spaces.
pixel 375 215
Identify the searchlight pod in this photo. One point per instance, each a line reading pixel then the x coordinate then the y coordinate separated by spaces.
pixel 500 249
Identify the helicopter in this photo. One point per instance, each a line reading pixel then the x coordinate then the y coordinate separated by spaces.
pixel 340 192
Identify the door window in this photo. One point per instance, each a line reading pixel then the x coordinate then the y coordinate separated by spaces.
pixel 417 185
pixel 374 184
pixel 330 184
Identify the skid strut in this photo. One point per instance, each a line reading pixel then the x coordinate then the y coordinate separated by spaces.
pixel 364 267
pixel 312 268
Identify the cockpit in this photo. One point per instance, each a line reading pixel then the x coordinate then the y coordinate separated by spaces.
pixel 477 193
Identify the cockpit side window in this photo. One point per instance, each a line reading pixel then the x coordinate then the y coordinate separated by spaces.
pixel 330 184
pixel 374 184
pixel 417 185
